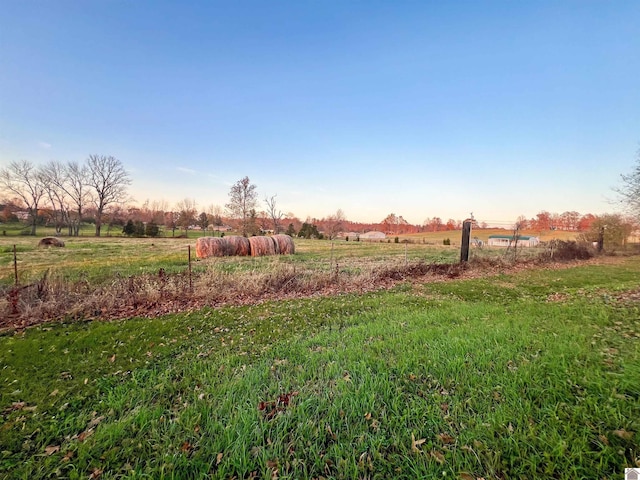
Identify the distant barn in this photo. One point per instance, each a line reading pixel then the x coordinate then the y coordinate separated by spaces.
pixel 510 241
pixel 373 235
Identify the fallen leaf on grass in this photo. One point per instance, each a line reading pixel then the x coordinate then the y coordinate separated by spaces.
pixel 270 409
pixel 466 476
pixel 17 405
pixel 112 358
pixel 97 472
pixel 219 458
pixel 346 377
pixel 445 438
pixel 51 449
pixel 186 447
pixel 54 393
pixel 416 443
pixel 67 456
pixel 437 456
pixel 623 434
pixel 95 422
pixel 84 435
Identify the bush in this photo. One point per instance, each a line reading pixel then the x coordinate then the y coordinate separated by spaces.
pixel 129 229
pixel 446 241
pixel 572 250
pixel 138 228
pixel 396 240
pixel 152 229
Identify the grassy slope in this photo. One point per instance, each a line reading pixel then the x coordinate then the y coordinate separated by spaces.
pixel 488 377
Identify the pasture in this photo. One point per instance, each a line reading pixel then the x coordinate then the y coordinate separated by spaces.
pixel 98 260
pixel 530 373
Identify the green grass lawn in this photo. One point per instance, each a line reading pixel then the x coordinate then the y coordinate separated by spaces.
pixel 530 375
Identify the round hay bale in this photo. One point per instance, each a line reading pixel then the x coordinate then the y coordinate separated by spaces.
pixel 262 246
pixel 238 245
pixel 50 242
pixel 211 247
pixel 284 244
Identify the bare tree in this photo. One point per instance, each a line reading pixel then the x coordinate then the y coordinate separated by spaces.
pixel 24 180
pixel 215 215
pixel 171 221
pixel 108 181
pixel 53 176
pixel 203 222
pixel 187 214
pixel 334 223
pixel 76 180
pixel 629 191
pixel 274 214
pixel 243 200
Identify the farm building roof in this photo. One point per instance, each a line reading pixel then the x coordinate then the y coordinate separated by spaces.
pixel 510 237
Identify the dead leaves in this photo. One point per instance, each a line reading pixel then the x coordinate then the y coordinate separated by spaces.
pixel 17 406
pixel 95 474
pixel 272 408
pixel 416 443
pixel 51 449
pixel 624 434
pixel 437 456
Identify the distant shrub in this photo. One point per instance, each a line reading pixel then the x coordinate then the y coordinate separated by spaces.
pixel 129 229
pixel 396 240
pixel 138 228
pixel 446 241
pixel 570 250
pixel 152 229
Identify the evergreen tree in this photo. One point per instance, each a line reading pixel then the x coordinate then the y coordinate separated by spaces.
pixel 151 229
pixel 129 228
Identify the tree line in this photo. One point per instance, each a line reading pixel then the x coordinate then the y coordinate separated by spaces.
pixel 66 195
pixel 67 189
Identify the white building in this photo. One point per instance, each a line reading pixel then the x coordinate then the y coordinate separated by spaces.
pixel 509 241
pixel 373 235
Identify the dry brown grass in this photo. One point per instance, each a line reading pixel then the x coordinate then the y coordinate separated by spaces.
pixel 52 298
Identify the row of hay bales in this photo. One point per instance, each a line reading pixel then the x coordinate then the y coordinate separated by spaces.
pixel 235 245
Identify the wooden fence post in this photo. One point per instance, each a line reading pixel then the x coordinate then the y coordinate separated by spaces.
pixel 15 264
pixel 190 281
pixel 601 240
pixel 466 237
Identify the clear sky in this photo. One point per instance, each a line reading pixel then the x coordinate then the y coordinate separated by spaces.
pixel 419 108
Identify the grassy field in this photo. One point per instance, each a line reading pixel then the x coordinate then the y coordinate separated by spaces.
pixel 530 375
pixel 455 236
pixel 101 259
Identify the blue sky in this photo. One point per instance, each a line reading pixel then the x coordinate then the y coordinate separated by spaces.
pixel 420 108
